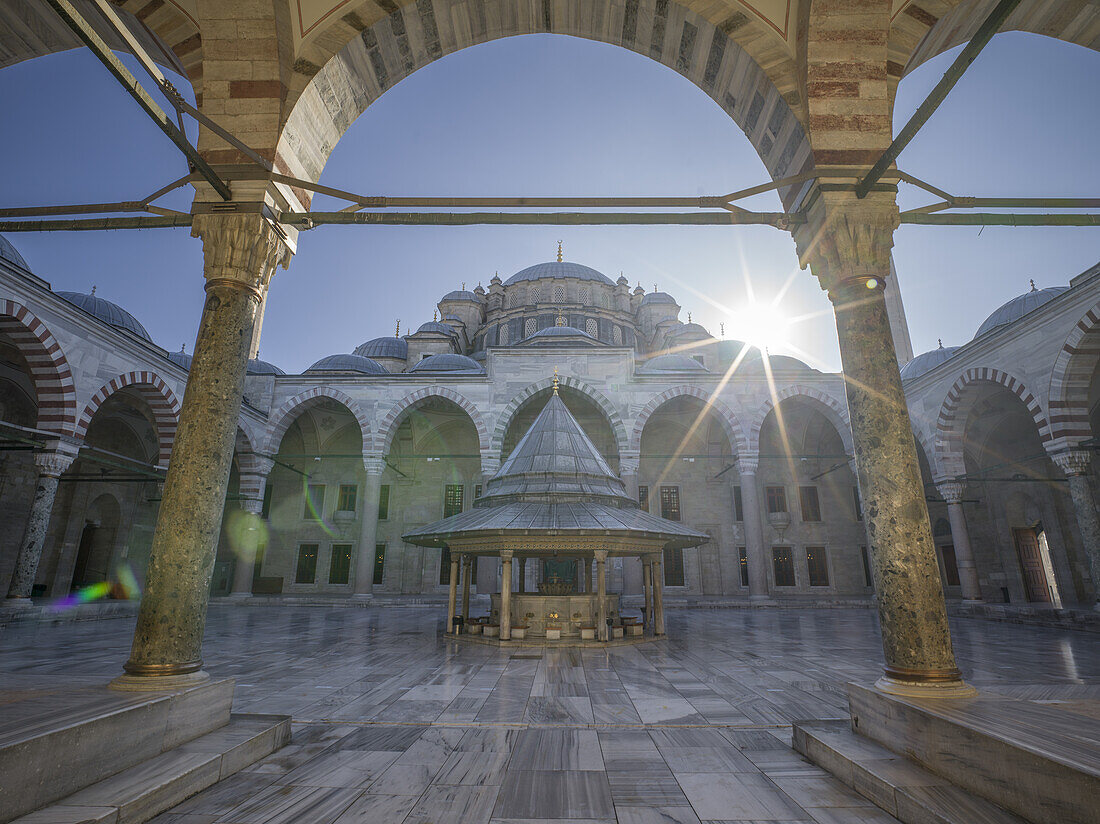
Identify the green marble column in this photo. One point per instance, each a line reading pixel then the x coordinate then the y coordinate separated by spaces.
pixel 240 254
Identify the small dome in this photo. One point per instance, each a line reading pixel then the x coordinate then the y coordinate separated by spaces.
pixel 561 269
pixel 109 313
pixel 387 347
pixel 689 329
pixel 437 327
pixel 674 362
pixel 348 363
pixel 181 359
pixel 455 364
pixel 659 297
pixel 785 363
pixel 1019 306
pixel 927 361
pixel 262 367
pixel 463 294
pixel 11 254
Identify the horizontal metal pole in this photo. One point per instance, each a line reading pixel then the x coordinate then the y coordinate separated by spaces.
pixel 306 220
pixel 74 209
pixel 94 224
pixel 993 219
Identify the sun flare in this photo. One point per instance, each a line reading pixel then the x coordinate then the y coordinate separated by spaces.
pixel 761 324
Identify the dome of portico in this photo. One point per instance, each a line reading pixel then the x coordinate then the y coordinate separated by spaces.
pixel 447 362
pixel 387 347
pixel 108 312
pixel 348 363
pixel 1019 306
pixel 672 362
pixel 9 253
pixel 927 361
pixel 262 367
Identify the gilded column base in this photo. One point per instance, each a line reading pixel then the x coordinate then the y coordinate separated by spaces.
pixel 908 683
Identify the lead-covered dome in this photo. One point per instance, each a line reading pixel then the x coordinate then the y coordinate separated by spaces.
pixel 262 367
pixel 348 363
pixel 659 297
pixel 181 359
pixel 927 361
pixel 437 327
pixel 463 294
pixel 673 362
pixel 1019 306
pixel 11 254
pixel 559 269
pixel 384 348
pixel 109 313
pixel 454 364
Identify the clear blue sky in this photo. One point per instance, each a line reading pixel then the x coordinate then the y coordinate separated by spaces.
pixel 559 116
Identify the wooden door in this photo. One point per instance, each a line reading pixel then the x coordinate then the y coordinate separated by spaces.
pixel 1031 564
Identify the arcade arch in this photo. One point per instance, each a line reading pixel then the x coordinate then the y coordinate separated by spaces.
pixel 610 446
pixel 592 417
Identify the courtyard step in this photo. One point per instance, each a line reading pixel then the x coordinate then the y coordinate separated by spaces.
pixel 897 785
pixel 143 791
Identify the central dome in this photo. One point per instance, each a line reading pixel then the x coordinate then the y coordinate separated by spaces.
pixel 559 269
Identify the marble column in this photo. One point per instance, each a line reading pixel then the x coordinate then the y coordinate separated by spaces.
pixel 586 575
pixel 632 567
pixel 506 595
pixel 952 492
pixel 51 463
pixel 658 578
pixel 647 591
pixel 467 568
pixel 756 554
pixel 452 595
pixel 601 594
pixel 241 252
pixel 487 566
pixel 1075 463
pixel 375 465
pixel 249 546
pixel 847 243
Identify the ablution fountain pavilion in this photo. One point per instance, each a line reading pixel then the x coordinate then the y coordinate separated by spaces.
pixel 555 500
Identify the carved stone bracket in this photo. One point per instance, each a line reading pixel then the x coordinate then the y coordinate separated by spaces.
pixel 748 463
pixel 845 238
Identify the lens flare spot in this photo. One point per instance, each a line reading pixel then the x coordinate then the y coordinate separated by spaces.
pixel 246 532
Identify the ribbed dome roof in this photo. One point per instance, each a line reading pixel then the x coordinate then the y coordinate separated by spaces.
pixel 110 313
pixel 927 361
pixel 563 269
pixel 463 294
pixel 673 362
pixel 181 359
pixel 262 367
pixel 455 364
pixel 658 297
pixel 436 326
pixel 1019 306
pixel 11 254
pixel 348 363
pixel 387 347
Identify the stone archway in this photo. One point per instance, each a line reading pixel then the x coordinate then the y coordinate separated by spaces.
pixel 1070 379
pixel 730 423
pixel 294 407
pixel 162 403
pixel 387 428
pixel 49 370
pixel 834 411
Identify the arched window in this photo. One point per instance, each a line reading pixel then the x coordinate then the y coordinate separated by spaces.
pixel 617 335
pixel 536 294
pixel 559 294
pixel 503 336
pixel 591 327
pixel 586 295
pixel 530 327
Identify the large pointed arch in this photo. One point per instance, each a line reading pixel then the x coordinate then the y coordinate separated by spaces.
pixel 295 406
pixel 590 392
pixel 730 422
pixel 162 403
pixel 834 410
pixel 387 427
pixel 50 372
pixel 1069 381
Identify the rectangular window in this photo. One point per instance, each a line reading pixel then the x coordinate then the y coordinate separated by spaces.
pixel 810 503
pixel 777 498
pixel 867 579
pixel 345 502
pixel 643 497
pixel 670 503
pixel 477 491
pixel 674 567
pixel 445 565
pixel 743 564
pixel 314 507
pixel 818 566
pixel 452 499
pixel 857 504
pixel 379 563
pixel 738 507
pixel 950 565
pixel 783 562
pixel 307 564
pixel 383 502
pixel 339 566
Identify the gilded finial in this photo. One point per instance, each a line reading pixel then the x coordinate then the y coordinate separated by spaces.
pixel 1033 289
pixel 435 316
pixel 561 320
pixel 654 287
pixel 397 331
pixel 183 347
pixel 93 288
pixel 722 328
pixel 463 286
pixel 555 380
pixel 559 251
pixel 689 317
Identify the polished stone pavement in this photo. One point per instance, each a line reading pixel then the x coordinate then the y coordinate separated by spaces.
pixel 394 723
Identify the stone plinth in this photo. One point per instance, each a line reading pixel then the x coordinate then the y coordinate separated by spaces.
pixel 573 611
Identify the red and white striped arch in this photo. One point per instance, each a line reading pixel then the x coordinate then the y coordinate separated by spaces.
pixel 1071 378
pixel 49 369
pixel 162 403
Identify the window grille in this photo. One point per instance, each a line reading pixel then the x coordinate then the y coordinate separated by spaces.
pixel 670 502
pixel 345 502
pixel 591 327
pixel 339 568
pixel 452 500
pixel 586 295
pixel 559 294
pixel 503 335
pixel 819 569
pixel 536 294
pixel 617 336
pixel 783 563
pixel 530 327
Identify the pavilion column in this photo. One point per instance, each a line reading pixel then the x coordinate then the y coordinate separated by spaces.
pixel 952 492
pixel 506 595
pixel 375 465
pixel 601 594
pixel 755 552
pixel 51 463
pixel 467 568
pixel 658 579
pixel 629 463
pixel 523 575
pixel 586 575
pixel 240 251
pixel 452 595
pixel 847 243
pixel 487 567
pixel 1075 463
pixel 253 504
pixel 647 591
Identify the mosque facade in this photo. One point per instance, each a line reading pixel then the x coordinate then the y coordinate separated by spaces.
pixel 333 466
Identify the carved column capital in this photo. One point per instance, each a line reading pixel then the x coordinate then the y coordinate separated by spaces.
pixel 1073 461
pixel 374 464
pixel 240 251
pixel 600 556
pixel 53 462
pixel 748 463
pixel 252 505
pixel 506 554
pixel 847 241
pixel 628 464
pixel 952 491
pixel 263 465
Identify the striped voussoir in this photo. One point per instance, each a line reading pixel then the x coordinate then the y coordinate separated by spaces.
pixel 55 392
pixel 162 403
pixel 1070 380
pixel 387 429
pixel 833 409
pixel 568 381
pixel 728 418
pixel 295 406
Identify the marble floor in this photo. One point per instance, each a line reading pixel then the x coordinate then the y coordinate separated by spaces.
pixel 395 724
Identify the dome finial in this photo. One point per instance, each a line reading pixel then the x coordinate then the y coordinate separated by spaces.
pixel 463 286
pixel 689 317
pixel 1033 289
pixel 940 342
pixel 397 331
pixel 559 251
pixel 183 347
pixel 561 320
pixel 93 288
pixel 435 316
pixel 722 328
pixel 654 287
pixel 555 380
